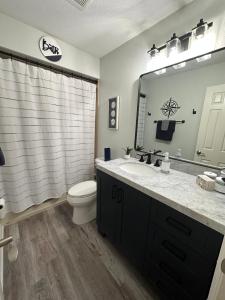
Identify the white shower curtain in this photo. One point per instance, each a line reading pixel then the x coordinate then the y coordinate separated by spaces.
pixel 47 127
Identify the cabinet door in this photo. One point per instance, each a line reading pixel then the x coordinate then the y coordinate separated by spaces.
pixel 136 211
pixel 109 206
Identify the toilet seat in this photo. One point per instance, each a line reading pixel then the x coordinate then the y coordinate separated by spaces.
pixel 82 197
pixel 82 192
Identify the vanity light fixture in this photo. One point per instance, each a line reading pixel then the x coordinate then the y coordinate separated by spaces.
pixel 181 43
pixel 153 52
pixel 179 66
pixel 201 29
pixel 203 57
pixel 160 72
pixel 173 45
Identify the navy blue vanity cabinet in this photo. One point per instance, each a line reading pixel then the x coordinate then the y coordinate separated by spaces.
pixel 175 253
pixel 181 251
pixel 134 230
pixel 123 216
pixel 109 206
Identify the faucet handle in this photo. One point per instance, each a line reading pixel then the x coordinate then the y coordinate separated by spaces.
pixel 141 157
pixel 158 162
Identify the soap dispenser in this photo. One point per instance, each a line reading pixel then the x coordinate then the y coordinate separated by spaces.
pixel 165 166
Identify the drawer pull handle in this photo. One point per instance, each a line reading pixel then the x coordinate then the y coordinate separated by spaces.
pixel 114 191
pixel 167 269
pixel 179 226
pixel 119 196
pixel 174 250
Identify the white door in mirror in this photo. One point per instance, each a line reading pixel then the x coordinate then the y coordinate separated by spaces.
pixel 210 147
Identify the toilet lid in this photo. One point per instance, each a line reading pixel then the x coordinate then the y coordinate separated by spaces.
pixel 83 189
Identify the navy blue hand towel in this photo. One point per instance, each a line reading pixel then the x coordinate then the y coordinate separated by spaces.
pixel 165 135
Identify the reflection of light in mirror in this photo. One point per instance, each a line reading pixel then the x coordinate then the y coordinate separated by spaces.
pixel 179 66
pixel 161 71
pixel 203 58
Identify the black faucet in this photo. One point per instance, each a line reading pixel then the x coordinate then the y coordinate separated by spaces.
pixel 149 158
pixel 149 155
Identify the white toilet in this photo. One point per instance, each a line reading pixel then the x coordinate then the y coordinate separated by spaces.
pixel 82 197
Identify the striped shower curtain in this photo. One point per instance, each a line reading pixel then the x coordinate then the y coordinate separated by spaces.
pixel 47 126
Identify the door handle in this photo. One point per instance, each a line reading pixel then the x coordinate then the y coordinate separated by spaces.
pixel 6 241
pixel 199 153
pixel 223 266
pixel 120 196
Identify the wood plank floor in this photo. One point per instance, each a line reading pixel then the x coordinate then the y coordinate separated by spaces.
pixel 61 261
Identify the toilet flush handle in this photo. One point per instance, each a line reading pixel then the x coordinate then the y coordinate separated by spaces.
pixel 223 266
pixel 6 241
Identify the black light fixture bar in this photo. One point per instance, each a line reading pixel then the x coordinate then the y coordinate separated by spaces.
pixel 184 38
pixel 201 22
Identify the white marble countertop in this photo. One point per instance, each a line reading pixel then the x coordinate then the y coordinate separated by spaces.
pixel 176 189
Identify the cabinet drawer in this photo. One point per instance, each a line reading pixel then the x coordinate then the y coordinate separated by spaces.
pixel 198 236
pixel 183 256
pixel 167 288
pixel 181 264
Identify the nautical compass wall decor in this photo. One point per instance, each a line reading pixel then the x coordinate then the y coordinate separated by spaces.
pixel 169 108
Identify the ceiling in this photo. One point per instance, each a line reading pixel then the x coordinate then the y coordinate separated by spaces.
pixel 98 29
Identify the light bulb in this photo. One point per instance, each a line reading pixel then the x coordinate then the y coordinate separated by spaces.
pixel 173 46
pixel 200 30
pixel 153 52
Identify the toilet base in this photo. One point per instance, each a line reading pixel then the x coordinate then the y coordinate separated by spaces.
pixel 84 214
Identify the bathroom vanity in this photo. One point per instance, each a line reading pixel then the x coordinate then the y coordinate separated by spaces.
pixel 168 227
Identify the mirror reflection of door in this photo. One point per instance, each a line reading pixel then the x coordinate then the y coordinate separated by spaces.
pixel 210 147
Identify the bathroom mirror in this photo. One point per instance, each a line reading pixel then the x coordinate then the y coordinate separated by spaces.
pixel 181 110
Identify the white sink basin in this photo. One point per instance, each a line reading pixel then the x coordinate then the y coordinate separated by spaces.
pixel 138 169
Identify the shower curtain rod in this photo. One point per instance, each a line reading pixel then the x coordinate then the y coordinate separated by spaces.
pixel 56 69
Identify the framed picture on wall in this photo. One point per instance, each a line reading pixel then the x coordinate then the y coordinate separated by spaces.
pixel 114 113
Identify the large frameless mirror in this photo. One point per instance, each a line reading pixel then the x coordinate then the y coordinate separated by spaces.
pixel 181 110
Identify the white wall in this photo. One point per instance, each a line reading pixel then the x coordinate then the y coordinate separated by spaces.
pixel 121 68
pixel 21 38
